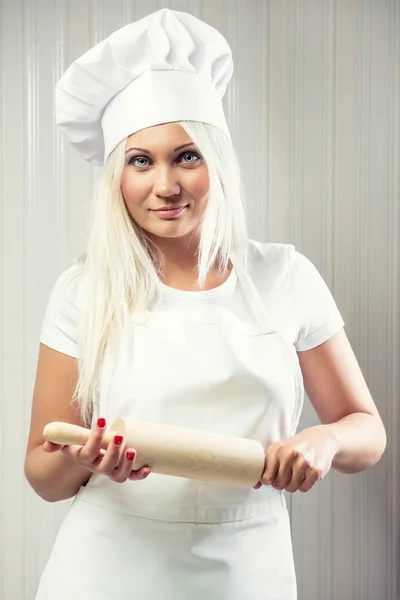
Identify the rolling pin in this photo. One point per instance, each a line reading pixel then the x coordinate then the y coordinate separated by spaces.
pixel 176 451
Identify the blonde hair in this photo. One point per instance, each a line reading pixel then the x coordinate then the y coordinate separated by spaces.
pixel 121 267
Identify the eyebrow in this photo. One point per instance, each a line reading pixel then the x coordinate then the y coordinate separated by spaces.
pixel 149 151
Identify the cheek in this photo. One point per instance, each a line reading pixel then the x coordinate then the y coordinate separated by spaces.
pixel 200 184
pixel 134 193
pixel 129 187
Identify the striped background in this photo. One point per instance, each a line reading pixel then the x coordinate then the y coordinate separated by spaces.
pixel 314 114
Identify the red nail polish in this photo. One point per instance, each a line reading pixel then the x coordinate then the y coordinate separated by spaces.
pixel 130 455
pixel 101 423
pixel 118 440
pixel 146 473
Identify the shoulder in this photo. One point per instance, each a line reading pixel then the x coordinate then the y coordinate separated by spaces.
pixel 266 260
pixel 71 275
pixel 266 251
pixel 60 321
pixel 279 260
pixel 68 284
pixel 295 292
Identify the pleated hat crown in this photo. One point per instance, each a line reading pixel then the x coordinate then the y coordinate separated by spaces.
pixel 169 66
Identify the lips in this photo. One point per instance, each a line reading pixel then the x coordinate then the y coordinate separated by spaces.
pixel 166 208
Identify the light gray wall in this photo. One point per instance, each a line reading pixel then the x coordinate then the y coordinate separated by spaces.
pixel 314 113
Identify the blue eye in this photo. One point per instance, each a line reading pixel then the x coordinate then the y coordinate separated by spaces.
pixel 134 160
pixel 197 156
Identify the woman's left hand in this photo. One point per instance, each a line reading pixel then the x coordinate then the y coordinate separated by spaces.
pixel 299 462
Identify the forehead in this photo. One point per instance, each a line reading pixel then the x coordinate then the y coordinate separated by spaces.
pixel 159 136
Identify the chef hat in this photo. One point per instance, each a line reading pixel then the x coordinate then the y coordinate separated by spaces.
pixel 169 66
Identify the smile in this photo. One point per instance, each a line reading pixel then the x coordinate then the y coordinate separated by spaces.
pixel 170 212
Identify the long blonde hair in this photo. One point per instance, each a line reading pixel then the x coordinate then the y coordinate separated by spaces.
pixel 121 269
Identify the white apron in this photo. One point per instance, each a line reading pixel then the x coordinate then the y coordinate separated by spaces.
pixel 169 538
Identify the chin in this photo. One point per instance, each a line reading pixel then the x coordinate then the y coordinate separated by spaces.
pixel 170 235
pixel 170 232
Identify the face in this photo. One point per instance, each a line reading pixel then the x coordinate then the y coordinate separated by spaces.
pixel 165 182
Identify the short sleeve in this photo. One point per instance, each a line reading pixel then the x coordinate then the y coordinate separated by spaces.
pixel 59 327
pixel 316 312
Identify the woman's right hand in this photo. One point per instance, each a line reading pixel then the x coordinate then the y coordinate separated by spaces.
pixel 116 462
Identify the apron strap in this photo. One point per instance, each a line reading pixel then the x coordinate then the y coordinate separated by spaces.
pixel 253 297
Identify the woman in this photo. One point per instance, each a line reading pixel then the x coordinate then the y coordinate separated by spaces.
pixel 173 316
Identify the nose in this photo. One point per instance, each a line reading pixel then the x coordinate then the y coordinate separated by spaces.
pixel 165 182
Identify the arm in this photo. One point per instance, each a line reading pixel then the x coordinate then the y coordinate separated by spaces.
pixel 337 390
pixel 53 476
pixel 57 472
pixel 351 436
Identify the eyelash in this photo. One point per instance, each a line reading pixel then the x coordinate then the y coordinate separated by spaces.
pixel 133 158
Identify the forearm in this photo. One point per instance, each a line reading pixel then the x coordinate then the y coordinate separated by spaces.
pixel 361 441
pixel 54 476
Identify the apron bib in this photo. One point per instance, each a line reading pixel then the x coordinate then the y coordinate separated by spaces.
pixel 169 538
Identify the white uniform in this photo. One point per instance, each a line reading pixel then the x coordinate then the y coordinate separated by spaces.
pixel 222 360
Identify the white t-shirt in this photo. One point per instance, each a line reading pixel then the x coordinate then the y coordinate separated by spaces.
pixel 298 300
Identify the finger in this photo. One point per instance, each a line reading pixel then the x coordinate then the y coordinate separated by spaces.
pixel 50 447
pixel 271 466
pixel 74 453
pixel 299 473
pixel 287 457
pixel 283 477
pixel 260 483
pixel 111 460
pixel 312 477
pixel 91 450
pixel 122 473
pixel 140 474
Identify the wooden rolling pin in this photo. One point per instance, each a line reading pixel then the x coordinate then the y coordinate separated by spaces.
pixel 176 451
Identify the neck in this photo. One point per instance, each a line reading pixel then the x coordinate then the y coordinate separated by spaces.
pixel 178 254
pixel 180 263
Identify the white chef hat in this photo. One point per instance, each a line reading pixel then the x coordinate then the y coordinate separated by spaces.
pixel 169 66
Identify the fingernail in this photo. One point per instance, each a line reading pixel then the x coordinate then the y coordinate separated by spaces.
pixel 101 423
pixel 118 440
pixel 130 455
pixel 146 473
